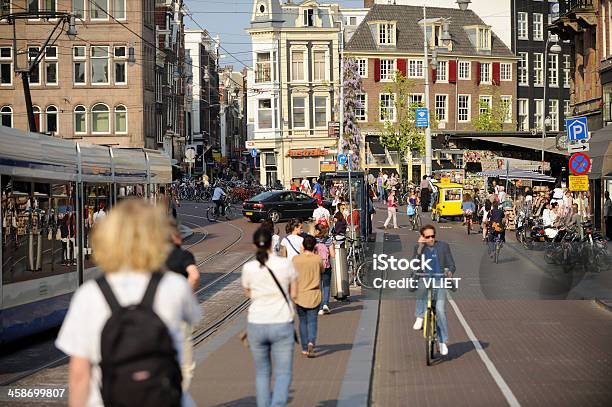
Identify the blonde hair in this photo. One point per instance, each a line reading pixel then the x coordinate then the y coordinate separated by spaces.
pixel 135 235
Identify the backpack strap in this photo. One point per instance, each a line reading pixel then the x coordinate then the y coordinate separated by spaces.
pixel 107 292
pixel 149 295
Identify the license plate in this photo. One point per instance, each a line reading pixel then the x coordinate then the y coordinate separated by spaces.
pixel 248 213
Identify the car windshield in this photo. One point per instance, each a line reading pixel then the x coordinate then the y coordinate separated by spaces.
pixel 264 196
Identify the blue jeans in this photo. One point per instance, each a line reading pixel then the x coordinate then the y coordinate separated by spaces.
pixel 308 326
pixel 325 284
pixel 439 295
pixel 272 343
pixel 381 196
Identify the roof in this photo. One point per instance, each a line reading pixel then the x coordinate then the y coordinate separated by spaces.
pixel 408 18
pixel 285 15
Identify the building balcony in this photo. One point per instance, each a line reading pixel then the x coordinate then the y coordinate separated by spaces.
pixel 575 17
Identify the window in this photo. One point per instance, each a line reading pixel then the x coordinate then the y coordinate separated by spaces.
pixel 538 69
pixel 464 70
pixel 434 41
pixel 566 71
pixel 36 111
pixel 464 108
pixel 5 7
pixel 506 105
pixel 120 65
pixel 100 119
pixel 263 72
pixel 352 20
pixel 50 5
pixel 299 112
pixel 319 65
pixel 505 70
pixel 441 72
pixel 567 110
pixel 387 107
pixel 119 9
pixel 264 113
pixel 120 119
pixel 51 66
pixel 297 65
pixel 415 68
pixel 98 9
pixel 361 107
pixel 538 27
pixel 523 23
pixel 539 111
pixel 6 66
pixel 309 18
pixel 523 114
pixel 320 111
pixel 51 119
pixel 553 70
pixel 553 112
pixel 484 104
pixel 80 120
pixel 523 69
pixel 79 58
pixel 6 116
pixel 33 6
pixel 484 38
pixel 441 107
pixel 485 72
pixel 78 8
pixel 362 65
pixel 386 34
pixel 387 69
pixel 415 99
pixel 35 73
pixel 99 65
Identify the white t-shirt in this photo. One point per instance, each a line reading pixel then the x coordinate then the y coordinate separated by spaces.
pixel 293 246
pixel 267 303
pixel 97 216
pixel 548 217
pixel 320 213
pixel 275 244
pixel 80 333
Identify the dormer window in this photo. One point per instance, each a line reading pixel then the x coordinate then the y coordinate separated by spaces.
pixel 309 17
pixel 386 34
pixel 484 38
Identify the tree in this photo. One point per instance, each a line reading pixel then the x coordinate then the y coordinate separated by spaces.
pixel 402 134
pixel 491 117
pixel 351 86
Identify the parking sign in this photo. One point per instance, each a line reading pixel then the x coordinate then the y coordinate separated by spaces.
pixel 577 129
pixel 422 117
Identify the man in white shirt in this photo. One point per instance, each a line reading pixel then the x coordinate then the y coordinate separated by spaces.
pixel 218 194
pixel 320 213
pixel 549 216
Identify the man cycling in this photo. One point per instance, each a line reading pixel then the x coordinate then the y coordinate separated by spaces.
pixel 495 226
pixel 217 198
pixel 441 260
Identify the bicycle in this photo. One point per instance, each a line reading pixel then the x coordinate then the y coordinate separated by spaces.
pixel 213 215
pixel 415 220
pixel 430 329
pixel 495 246
pixel 468 222
pixel 355 256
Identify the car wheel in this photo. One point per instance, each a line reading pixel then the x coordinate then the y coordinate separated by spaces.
pixel 274 216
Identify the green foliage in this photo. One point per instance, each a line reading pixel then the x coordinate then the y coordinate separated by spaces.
pixel 491 118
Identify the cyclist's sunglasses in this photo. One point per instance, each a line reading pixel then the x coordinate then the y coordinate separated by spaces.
pixel 429 236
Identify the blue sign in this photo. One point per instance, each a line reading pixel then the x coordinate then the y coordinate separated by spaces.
pixel 577 129
pixel 254 153
pixel 342 159
pixel 422 117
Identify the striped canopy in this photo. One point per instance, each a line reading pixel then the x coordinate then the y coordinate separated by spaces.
pixel 515 173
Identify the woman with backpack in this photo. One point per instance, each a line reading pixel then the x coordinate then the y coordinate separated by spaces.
pixel 270 283
pixel 325 249
pixel 132 312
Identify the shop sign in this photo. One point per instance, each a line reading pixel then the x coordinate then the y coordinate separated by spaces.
pixel 578 183
pixel 333 129
pixel 308 152
pixel 327 166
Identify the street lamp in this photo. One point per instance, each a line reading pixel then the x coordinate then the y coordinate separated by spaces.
pixel 463 4
pixel 555 49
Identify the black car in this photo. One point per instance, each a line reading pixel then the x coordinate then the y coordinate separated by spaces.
pixel 277 205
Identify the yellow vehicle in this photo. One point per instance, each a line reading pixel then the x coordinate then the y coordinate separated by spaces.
pixel 448 197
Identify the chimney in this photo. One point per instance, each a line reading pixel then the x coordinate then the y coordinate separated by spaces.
pixel 368 3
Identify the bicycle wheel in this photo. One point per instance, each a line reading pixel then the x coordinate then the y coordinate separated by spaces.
pixel 229 212
pixel 417 219
pixel 211 214
pixel 496 252
pixel 365 274
pixel 430 337
pixel 469 226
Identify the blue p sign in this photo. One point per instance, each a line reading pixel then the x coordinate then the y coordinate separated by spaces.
pixel 577 129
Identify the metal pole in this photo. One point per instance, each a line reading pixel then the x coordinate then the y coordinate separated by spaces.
pixel 28 100
pixel 545 72
pixel 350 189
pixel 428 152
pixel 341 88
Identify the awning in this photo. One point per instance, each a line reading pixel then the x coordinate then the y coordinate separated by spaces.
pixel 550 143
pixel 514 173
pixel 600 151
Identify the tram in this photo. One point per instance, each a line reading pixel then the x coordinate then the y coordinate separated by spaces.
pixel 53 192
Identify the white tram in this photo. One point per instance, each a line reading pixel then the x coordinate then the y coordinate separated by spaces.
pixel 53 191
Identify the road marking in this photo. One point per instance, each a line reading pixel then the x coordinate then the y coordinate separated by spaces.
pixel 499 380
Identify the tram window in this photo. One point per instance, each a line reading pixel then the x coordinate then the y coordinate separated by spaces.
pixel 96 205
pixel 130 190
pixel 38 230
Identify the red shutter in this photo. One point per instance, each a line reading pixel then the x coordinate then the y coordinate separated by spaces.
pixel 434 74
pixel 401 66
pixel 477 72
pixel 452 71
pixel 377 70
pixel 496 73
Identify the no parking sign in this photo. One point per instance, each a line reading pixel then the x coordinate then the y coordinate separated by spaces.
pixel 579 164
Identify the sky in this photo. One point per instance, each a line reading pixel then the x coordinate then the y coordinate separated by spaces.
pixel 229 19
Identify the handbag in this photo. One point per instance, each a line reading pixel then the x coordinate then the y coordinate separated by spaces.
pixel 244 335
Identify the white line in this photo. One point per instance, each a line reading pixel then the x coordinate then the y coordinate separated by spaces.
pixel 499 380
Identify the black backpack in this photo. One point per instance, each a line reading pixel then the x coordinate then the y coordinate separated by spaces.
pixel 139 366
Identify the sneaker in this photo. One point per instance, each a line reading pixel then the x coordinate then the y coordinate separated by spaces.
pixel 311 352
pixel 443 349
pixel 326 309
pixel 321 312
pixel 418 324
